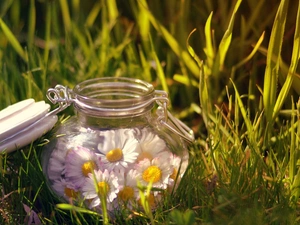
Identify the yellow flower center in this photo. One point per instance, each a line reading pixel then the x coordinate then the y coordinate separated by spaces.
pixel 126 194
pixel 144 155
pixel 88 167
pixel 174 174
pixel 70 192
pixel 103 188
pixel 152 173
pixel 114 155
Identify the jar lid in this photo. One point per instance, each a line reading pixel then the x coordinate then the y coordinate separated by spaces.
pixel 24 122
pixel 118 97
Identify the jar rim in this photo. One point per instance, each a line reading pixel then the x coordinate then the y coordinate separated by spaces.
pixel 113 96
pixel 106 80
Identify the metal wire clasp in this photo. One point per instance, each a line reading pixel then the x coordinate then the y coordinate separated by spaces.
pixel 176 125
pixel 60 95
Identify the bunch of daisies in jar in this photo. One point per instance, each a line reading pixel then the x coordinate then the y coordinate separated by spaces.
pixel 86 172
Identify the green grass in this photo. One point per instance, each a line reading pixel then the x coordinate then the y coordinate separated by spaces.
pixel 234 80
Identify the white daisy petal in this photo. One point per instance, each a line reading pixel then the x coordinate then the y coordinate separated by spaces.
pixel 150 145
pixel 66 189
pixel 119 149
pixel 80 162
pixel 128 191
pixel 107 184
pixel 179 166
pixel 157 171
pixel 56 166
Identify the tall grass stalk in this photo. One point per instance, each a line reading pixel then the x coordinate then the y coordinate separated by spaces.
pixel 285 90
pixel 273 64
pixel 181 53
pixel 31 24
pixel 66 15
pixel 225 42
pixel 13 40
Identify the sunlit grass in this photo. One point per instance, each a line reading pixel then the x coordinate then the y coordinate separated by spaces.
pixel 231 70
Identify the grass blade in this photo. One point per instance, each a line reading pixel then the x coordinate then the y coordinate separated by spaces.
pixel 249 57
pixel 47 33
pixel 65 14
pixel 145 65
pixel 254 15
pixel 205 100
pixel 294 157
pixel 284 70
pixel 81 40
pixel 65 206
pixel 243 111
pixel 292 70
pixel 31 23
pixel 272 67
pixel 15 13
pixel 75 9
pixel 144 25
pixel 13 41
pixel 226 40
pixel 4 6
pixel 93 14
pixel 159 70
pixel 113 12
pixel 292 161
pixel 209 50
pixel 173 43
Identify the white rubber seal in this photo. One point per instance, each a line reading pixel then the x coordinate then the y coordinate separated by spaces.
pixel 24 122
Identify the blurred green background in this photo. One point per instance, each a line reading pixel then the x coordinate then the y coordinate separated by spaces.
pixel 69 41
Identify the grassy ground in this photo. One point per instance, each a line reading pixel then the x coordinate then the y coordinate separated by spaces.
pixel 233 80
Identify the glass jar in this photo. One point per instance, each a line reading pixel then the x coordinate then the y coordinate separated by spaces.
pixel 122 134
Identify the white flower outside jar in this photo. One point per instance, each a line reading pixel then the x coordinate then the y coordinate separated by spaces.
pixel 117 138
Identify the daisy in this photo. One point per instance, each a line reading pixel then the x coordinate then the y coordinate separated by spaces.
pixel 150 145
pixel 156 171
pixel 56 166
pixel 118 149
pixel 179 165
pixel 100 184
pixel 66 189
pixel 128 192
pixel 80 162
